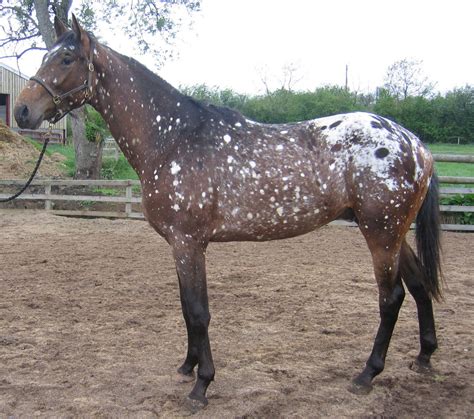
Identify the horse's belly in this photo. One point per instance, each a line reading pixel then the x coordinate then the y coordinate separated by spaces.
pixel 273 222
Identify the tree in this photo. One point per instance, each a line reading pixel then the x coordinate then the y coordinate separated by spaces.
pixel 455 113
pixel 287 79
pixel 216 96
pixel 145 21
pixel 405 78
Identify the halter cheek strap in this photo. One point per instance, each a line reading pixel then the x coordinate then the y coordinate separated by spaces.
pixel 58 99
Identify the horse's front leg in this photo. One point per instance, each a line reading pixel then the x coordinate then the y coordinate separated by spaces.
pixel 189 256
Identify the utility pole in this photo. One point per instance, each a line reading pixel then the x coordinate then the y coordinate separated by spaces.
pixel 347 77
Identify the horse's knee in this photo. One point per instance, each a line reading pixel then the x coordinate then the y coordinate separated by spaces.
pixel 199 318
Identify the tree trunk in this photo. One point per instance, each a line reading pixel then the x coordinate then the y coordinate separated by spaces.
pixel 88 154
pixel 44 24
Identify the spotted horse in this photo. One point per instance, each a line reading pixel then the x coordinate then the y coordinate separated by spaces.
pixel 208 174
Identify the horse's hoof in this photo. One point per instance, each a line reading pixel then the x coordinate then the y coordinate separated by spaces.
pixel 184 378
pixel 359 389
pixel 194 405
pixel 421 367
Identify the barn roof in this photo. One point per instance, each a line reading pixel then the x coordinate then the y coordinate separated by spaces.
pixel 7 67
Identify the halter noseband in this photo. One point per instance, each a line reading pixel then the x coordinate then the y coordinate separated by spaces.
pixel 58 99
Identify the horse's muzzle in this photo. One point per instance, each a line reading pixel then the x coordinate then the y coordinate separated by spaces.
pixel 25 118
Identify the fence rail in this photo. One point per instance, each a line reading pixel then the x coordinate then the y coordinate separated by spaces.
pixel 127 197
pixel 55 136
pixel 454 158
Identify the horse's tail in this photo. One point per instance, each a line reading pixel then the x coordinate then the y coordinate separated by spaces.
pixel 428 231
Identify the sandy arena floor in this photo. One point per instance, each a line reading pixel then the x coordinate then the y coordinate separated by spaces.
pixel 91 326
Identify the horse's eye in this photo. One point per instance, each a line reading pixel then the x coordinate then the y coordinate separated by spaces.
pixel 67 60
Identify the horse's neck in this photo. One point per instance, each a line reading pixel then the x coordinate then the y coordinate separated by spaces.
pixel 143 112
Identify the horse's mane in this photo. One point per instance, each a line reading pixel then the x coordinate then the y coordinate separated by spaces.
pixel 218 113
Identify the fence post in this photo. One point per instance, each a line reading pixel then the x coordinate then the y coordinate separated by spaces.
pixel 128 195
pixel 47 202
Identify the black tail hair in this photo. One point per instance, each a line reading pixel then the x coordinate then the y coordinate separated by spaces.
pixel 428 232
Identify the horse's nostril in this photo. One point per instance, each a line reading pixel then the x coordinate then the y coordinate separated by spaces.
pixel 24 112
pixel 22 115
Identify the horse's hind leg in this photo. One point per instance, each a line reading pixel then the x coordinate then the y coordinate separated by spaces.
pixel 385 257
pixel 412 276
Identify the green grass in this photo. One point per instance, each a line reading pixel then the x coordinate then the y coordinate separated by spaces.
pixel 65 150
pixel 107 191
pixel 451 148
pixel 119 169
pixel 453 169
pixel 68 152
pixel 111 169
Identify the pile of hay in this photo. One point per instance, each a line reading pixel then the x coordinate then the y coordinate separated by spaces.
pixel 18 158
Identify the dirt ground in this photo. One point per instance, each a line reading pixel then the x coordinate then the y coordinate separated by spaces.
pixel 90 326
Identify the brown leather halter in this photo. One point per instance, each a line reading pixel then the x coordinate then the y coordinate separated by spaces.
pixel 58 99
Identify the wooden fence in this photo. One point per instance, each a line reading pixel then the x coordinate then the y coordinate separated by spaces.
pixel 55 136
pixel 127 193
pixel 123 188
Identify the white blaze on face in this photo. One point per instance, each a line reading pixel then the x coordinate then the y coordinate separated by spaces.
pixel 52 52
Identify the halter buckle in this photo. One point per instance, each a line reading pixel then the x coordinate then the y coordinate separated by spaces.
pixel 56 100
pixel 90 67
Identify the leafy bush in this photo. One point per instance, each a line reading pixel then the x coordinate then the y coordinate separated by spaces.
pixel 119 169
pixel 464 200
pixel 96 127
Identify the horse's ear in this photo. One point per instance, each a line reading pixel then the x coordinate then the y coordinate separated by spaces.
pixel 82 36
pixel 76 28
pixel 59 27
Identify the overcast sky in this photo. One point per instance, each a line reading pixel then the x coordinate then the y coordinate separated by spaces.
pixel 234 43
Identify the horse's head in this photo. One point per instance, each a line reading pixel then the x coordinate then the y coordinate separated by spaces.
pixel 63 82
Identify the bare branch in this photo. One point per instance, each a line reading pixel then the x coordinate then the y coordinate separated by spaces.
pixel 405 78
pixel 17 10
pixel 19 55
pixel 5 41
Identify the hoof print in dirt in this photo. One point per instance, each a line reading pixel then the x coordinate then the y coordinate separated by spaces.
pixel 184 378
pixel 421 367
pixel 194 405
pixel 359 389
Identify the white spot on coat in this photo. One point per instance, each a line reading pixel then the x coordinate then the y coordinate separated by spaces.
pixel 175 168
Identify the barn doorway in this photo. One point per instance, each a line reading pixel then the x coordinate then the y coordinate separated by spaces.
pixel 4 109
